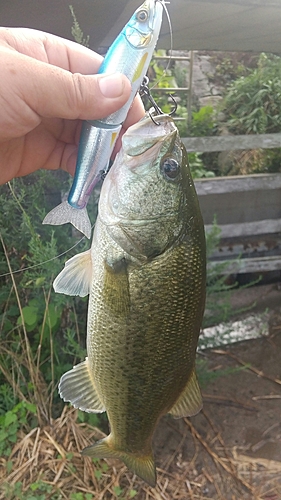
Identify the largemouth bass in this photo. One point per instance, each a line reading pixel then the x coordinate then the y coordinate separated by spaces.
pixel 145 275
pixel 130 54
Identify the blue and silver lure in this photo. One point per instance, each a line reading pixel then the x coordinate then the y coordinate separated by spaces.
pixel 129 54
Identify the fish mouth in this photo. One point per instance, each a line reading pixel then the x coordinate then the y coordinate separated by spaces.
pixel 145 135
pixel 142 144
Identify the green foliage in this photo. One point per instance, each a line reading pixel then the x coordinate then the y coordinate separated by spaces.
pixel 94 419
pixel 36 491
pixel 203 122
pixel 7 398
pixel 252 105
pixel 206 376
pixel 121 495
pixel 218 292
pixel 76 31
pixel 31 314
pixel 197 168
pixel 12 421
pixel 81 496
pixel 230 66
pixel 181 75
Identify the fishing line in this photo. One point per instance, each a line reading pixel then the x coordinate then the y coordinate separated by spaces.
pixel 40 263
pixel 164 5
pixel 44 262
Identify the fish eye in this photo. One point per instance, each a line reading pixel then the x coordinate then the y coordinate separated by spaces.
pixel 142 16
pixel 170 169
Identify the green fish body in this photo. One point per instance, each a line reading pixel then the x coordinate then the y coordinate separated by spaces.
pixel 145 275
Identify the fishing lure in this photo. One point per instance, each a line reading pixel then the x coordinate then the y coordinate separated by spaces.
pixel 130 54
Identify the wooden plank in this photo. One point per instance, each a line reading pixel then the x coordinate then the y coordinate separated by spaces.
pixel 247 247
pixel 239 183
pixel 248 228
pixel 250 265
pixel 231 142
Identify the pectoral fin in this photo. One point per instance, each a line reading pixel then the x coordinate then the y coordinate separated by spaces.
pixel 76 277
pixel 142 465
pixel 77 387
pixel 190 401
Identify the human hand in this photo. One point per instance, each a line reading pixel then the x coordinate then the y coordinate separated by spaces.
pixel 47 86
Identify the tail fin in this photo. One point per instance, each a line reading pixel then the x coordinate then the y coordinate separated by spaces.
pixel 64 213
pixel 143 466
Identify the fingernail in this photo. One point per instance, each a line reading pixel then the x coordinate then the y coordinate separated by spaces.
pixel 111 85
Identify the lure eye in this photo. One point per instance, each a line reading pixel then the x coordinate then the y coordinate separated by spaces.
pixel 142 16
pixel 170 169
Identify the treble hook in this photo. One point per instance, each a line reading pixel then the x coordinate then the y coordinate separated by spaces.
pixel 145 91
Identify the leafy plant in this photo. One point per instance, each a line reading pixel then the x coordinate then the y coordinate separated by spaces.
pixel 218 292
pixel 203 122
pixel 76 31
pixel 252 106
pixel 252 102
pixel 11 422
pixel 36 491
pixel 34 321
pixel 197 168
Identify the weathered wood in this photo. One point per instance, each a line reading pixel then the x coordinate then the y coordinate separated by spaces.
pixel 250 265
pixel 249 228
pixel 231 142
pixel 238 183
pixel 248 246
pixel 248 213
pixel 239 200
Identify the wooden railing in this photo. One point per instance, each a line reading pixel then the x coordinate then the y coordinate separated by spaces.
pixel 247 208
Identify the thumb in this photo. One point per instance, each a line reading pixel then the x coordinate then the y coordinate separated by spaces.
pixel 53 92
pixel 60 94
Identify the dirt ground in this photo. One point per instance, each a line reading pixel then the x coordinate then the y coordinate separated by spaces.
pixel 232 449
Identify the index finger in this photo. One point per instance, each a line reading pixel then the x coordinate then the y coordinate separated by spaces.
pixel 52 49
pixel 136 112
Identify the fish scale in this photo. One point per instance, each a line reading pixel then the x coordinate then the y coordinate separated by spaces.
pixel 146 297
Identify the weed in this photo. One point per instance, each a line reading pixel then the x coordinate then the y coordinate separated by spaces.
pixel 10 423
pixel 36 491
pixel 76 31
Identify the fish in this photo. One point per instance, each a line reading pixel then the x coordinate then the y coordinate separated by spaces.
pixel 130 54
pixel 145 275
